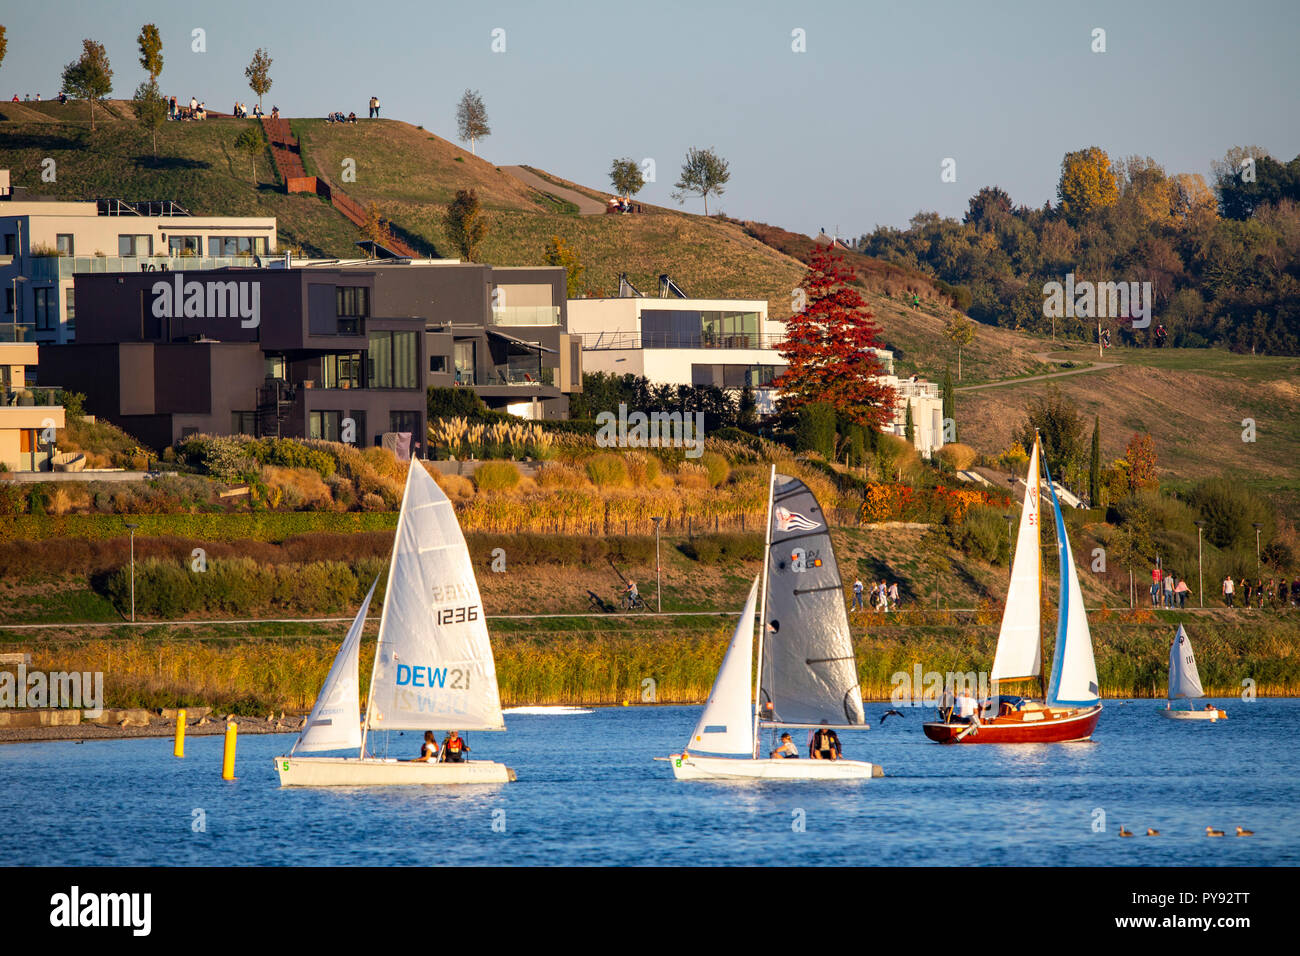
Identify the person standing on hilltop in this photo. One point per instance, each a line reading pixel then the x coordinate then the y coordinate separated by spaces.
pixel 1227 590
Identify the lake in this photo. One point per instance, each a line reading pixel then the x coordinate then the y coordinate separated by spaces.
pixel 589 794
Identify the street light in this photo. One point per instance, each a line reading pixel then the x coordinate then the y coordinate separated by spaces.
pixel 17 279
pixel 131 528
pixel 1199 574
pixel 659 594
pixel 1256 525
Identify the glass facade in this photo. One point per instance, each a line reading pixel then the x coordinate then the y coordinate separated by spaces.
pixel 185 245
pixel 693 329
pixel 46 303
pixel 393 360
pixel 234 246
pixel 341 371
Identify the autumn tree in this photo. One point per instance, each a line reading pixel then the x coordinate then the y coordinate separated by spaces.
pixel 1056 421
pixel 961 332
pixel 4 44
pixel 150 109
pixel 703 174
pixel 988 207
pixel 465 225
pixel 560 253
pixel 374 228
pixel 830 345
pixel 258 72
pixel 626 178
pixel 1140 457
pixel 89 77
pixel 472 119
pixel 251 143
pixel 1094 465
pixel 150 43
pixel 1087 183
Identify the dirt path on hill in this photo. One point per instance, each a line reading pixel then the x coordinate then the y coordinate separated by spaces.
pixel 586 205
pixel 1042 357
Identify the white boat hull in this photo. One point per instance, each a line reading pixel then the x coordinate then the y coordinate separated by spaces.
pixel 373 772
pixel 1210 715
pixel 693 767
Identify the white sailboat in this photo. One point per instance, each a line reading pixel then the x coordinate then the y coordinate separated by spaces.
pixel 807 675
pixel 1185 682
pixel 433 663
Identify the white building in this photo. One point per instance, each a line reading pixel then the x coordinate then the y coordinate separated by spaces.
pixel 28 416
pixel 43 244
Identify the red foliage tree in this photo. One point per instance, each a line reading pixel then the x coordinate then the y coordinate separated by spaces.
pixel 1140 456
pixel 828 346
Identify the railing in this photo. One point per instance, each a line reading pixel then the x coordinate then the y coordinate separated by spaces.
pixel 505 375
pixel 36 396
pixel 157 207
pixel 63 267
pixel 526 315
pixel 671 340
pixel 16 332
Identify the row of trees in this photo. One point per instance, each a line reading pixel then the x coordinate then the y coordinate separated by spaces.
pixel 704 173
pixel 1223 259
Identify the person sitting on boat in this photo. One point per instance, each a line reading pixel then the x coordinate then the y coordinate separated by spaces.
pixel 947 702
pixel 787 749
pixel 428 750
pixel 825 744
pixel 454 748
pixel 967 707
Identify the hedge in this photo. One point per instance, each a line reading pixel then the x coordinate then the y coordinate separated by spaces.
pixel 256 526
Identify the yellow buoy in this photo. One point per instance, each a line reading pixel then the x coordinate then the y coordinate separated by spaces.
pixel 179 749
pixel 228 757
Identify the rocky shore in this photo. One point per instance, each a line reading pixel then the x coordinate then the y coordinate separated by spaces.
pixel 18 726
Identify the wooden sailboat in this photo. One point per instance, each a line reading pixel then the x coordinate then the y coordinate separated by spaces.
pixel 1185 682
pixel 1070 707
pixel 433 663
pixel 807 675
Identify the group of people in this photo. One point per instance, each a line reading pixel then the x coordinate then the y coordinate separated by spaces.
pixel 884 597
pixel 178 111
pixel 63 98
pixel 961 706
pixel 823 744
pixel 241 111
pixel 1270 593
pixel 374 107
pixel 338 117
pixel 1168 590
pixel 452 750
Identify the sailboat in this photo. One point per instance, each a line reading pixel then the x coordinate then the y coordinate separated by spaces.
pixel 1185 682
pixel 433 664
pixel 807 675
pixel 1070 706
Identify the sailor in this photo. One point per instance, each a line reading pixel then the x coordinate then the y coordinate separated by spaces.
pixel 967 707
pixel 786 750
pixel 453 748
pixel 825 744
pixel 428 750
pixel 946 703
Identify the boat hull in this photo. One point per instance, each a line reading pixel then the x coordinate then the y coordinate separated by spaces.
pixel 693 767
pixel 1210 715
pixel 372 772
pixel 1054 727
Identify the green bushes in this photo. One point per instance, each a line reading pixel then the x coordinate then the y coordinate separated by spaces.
pixel 535 549
pixel 982 534
pixel 259 526
pixel 607 470
pixel 496 476
pixel 1230 510
pixel 726 549
pixel 815 429
pixel 717 467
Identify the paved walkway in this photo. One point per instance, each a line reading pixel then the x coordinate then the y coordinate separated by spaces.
pixel 1043 357
pixel 586 205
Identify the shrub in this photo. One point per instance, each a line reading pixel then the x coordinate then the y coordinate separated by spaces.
pixel 455 487
pixel 558 475
pixel 725 549
pixel 957 456
pixel 982 534
pixel 691 475
pixel 815 429
pixel 642 470
pixel 496 476
pixel 607 470
pixel 717 467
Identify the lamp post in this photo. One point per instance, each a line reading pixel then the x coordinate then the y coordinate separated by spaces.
pixel 131 528
pixel 1257 526
pixel 659 594
pixel 17 279
pixel 1199 573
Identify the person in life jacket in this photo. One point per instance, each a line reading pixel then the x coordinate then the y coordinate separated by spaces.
pixel 825 744
pixel 453 748
pixel 428 750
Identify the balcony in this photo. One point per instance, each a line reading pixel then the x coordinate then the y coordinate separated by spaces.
pixel 518 375
pixel 526 315
pixel 49 268
pixel 670 340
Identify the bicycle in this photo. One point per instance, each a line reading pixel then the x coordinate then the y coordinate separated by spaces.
pixel 633 602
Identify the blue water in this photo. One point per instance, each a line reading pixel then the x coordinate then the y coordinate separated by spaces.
pixel 588 793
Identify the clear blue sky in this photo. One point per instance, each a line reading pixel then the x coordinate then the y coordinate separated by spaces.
pixel 850 133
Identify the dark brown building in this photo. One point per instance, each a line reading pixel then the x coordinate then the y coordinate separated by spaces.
pixel 339 351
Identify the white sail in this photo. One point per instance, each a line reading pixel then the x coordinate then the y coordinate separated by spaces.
pixel 1184 679
pixel 1074 671
pixel 1019 652
pixel 727 724
pixel 335 720
pixel 433 665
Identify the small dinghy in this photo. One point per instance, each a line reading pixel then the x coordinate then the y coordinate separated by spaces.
pixel 1185 683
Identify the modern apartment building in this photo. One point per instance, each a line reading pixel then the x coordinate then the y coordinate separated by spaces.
pixel 28 415
pixel 342 351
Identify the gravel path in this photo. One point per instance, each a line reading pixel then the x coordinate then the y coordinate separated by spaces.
pixel 586 205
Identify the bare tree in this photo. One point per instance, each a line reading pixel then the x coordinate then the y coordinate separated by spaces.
pixel 471 119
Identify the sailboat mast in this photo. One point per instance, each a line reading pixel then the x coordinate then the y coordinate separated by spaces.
pixel 762 605
pixel 1042 648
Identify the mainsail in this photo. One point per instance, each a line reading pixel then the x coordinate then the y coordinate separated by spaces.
pixel 1074 672
pixel 1184 680
pixel 1019 652
pixel 808 673
pixel 727 724
pixel 433 664
pixel 335 722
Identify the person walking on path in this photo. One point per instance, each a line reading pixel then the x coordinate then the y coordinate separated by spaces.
pixel 893 595
pixel 1227 590
pixel 857 595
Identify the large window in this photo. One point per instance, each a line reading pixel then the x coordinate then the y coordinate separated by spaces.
pixel 236 245
pixel 358 417
pixel 243 423
pixel 325 425
pixel 70 308
pixel 352 300
pixel 135 245
pixel 404 422
pixel 185 245
pixel 341 371
pixel 46 307
pixel 688 328
pixel 63 241
pixel 393 360
pixel 465 362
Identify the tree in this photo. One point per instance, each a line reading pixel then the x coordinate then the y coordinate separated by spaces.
pixel 1094 465
pixel 830 347
pixel 560 253
pixel 1060 428
pixel 949 404
pixel 250 142
pixel 259 74
pixel 150 108
pixel 472 119
pixel 151 57
pixel 1140 457
pixel 988 207
pixel 465 224
pixel 815 429
pixel 625 175
pixel 909 428
pixel 1087 183
pixel 747 410
pixel 703 173
pixel 374 228
pixel 961 332
pixel 89 77
pixel 4 44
